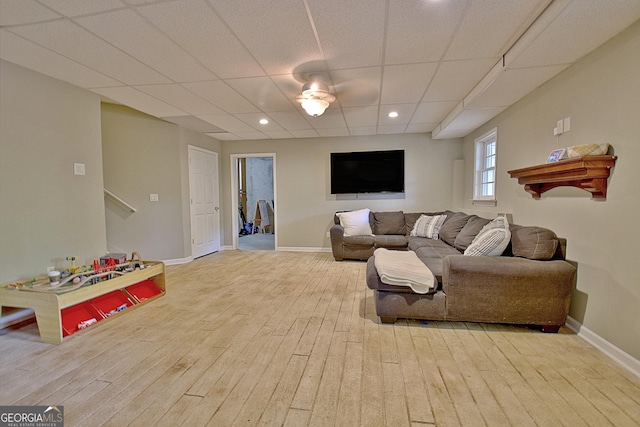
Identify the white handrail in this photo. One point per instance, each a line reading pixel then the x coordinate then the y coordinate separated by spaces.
pixel 119 200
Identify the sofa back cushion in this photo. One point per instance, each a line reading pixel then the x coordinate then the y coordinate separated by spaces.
pixel 469 232
pixel 388 223
pixel 533 242
pixel 452 226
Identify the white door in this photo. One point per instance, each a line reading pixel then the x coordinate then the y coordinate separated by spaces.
pixel 205 205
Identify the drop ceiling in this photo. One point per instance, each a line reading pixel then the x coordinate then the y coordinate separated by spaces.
pixel 219 66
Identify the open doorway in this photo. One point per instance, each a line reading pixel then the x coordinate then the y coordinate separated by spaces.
pixel 254 200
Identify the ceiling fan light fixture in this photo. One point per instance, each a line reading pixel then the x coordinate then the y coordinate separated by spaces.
pixel 315 97
pixel 315 106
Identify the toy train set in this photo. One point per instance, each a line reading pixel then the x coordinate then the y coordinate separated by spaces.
pixel 74 277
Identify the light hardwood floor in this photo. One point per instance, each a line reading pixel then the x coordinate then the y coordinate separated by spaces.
pixel 272 338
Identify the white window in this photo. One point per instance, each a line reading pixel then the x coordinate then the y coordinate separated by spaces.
pixel 484 181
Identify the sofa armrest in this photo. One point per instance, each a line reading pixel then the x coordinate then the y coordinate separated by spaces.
pixel 336 234
pixel 510 289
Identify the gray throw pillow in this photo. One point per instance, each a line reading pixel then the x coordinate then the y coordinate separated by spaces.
pixel 469 232
pixel 388 223
pixel 452 226
pixel 533 242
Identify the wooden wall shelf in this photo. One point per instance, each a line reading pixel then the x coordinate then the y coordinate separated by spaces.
pixel 589 173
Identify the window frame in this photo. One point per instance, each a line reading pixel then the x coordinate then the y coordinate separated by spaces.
pixel 481 156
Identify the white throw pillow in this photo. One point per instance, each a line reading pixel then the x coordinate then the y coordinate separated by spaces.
pixel 428 226
pixel 355 223
pixel 492 240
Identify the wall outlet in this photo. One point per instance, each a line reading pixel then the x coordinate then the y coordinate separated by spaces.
pixel 153 197
pixel 50 269
pixel 328 234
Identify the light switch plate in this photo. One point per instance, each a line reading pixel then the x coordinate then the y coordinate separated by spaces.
pixel 78 169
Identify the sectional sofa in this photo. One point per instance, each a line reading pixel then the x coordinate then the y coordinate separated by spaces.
pixel 529 283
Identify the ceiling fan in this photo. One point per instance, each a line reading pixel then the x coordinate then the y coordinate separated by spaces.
pixel 315 97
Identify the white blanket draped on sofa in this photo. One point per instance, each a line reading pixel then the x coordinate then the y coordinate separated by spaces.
pixel 403 268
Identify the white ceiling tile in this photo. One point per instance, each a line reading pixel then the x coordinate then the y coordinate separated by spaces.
pixel 193 123
pixel 290 120
pixel 278 134
pixel 362 24
pixel 262 92
pixel 72 41
pixel 363 130
pixel 489 28
pixel 419 30
pixel 251 135
pixel 239 60
pixel 361 116
pixel 220 94
pixel 198 30
pixel 182 98
pixel 140 101
pixel 333 132
pixel 277 33
pixel 253 119
pixel 357 87
pixel 406 83
pixel 305 133
pixel 30 55
pixel 430 112
pixel 390 129
pixel 18 12
pixel 405 112
pixel 82 7
pixel 228 123
pixel 132 34
pixel 331 119
pixel 454 79
pixel 224 136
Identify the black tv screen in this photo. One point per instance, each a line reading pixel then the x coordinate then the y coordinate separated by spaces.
pixel 367 172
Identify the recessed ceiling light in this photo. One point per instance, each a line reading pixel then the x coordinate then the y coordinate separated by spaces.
pixel 393 114
pixel 264 121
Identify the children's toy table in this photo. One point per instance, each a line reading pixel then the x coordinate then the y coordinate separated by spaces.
pixel 60 313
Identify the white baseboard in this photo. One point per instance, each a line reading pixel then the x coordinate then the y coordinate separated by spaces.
pixel 301 249
pixel 626 360
pixel 178 261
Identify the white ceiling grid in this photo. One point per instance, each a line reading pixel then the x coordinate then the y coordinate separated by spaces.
pixel 219 66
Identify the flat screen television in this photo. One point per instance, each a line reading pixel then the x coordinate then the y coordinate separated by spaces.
pixel 367 172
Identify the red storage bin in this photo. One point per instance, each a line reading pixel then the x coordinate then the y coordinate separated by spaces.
pixel 79 316
pixel 144 290
pixel 112 303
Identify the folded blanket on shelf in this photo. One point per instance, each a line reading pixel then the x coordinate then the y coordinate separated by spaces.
pixel 403 268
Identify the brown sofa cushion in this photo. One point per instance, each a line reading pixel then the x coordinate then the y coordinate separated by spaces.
pixel 533 242
pixel 452 226
pixel 469 232
pixel 388 223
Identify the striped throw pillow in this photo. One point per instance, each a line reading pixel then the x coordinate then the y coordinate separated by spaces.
pixel 492 240
pixel 428 226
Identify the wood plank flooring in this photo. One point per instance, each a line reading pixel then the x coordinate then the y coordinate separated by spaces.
pixel 270 338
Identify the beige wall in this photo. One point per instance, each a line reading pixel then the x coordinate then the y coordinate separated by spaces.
pixel 601 94
pixel 304 205
pixel 144 155
pixel 47 212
